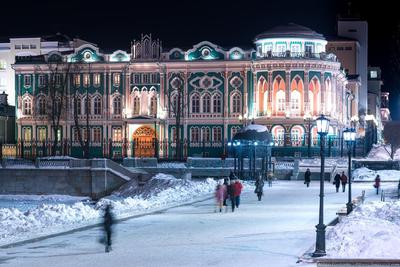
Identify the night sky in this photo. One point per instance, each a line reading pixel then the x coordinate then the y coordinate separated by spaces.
pixel 113 24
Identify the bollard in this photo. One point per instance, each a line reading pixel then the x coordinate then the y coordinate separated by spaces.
pixel 362 196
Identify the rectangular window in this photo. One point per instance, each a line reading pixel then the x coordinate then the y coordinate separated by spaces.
pixel 33 46
pixel 373 74
pixel 57 78
pixel 86 80
pixel 27 134
pixel 3 64
pixel 97 135
pixel 41 80
pixel 217 134
pixel 96 79
pixel 117 134
pixel 348 48
pixel 137 78
pixel 27 80
pixel 116 79
pixel 339 48
pixel 77 79
pixel 17 47
pixel 42 134
pixel 145 78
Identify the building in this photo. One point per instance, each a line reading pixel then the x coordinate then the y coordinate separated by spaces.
pixel 7 121
pixel 28 46
pixel 183 102
pixel 385 112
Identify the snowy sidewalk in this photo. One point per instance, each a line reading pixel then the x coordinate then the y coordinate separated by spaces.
pixel 273 232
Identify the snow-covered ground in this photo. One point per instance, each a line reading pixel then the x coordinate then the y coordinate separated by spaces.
pixel 179 165
pixel 48 218
pixel 271 232
pixel 371 231
pixel 367 175
pixel 382 152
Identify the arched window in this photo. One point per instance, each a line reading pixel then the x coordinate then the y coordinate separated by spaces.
pixel 57 106
pixel 195 102
pixel 262 98
pixel 236 103
pixel 295 102
pixel 77 106
pixel 27 106
pixel 86 106
pixel 217 107
pixel 194 134
pixel 42 106
pixel 206 134
pixel 278 135
pixel 217 134
pixel 97 105
pixel 311 101
pixel 206 103
pixel 153 105
pixel 234 130
pixel 328 96
pixel 296 135
pixel 117 105
pixel 314 87
pixel 136 105
pixel 280 101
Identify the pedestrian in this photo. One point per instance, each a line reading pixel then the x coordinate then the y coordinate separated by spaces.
pixel 270 177
pixel 231 194
pixel 307 177
pixel 377 184
pixel 237 190
pixel 232 176
pixel 220 193
pixel 259 187
pixel 226 183
pixel 107 224
pixel 343 179
pixel 337 181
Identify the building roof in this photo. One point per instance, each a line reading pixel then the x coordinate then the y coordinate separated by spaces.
pixel 335 38
pixel 290 30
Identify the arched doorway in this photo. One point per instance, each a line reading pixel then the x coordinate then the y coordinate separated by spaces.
pixel 144 138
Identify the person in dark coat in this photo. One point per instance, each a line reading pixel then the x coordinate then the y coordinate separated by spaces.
pixel 259 187
pixel 231 194
pixel 107 224
pixel 307 177
pixel 377 184
pixel 343 179
pixel 337 181
pixel 226 183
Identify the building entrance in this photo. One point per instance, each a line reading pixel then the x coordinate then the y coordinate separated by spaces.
pixel 144 138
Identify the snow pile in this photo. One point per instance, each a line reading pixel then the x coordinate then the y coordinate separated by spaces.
pixel 365 174
pixel 161 191
pixel 382 152
pixel 371 231
pixel 257 127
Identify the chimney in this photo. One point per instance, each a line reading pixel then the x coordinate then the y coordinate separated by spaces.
pixel 4 99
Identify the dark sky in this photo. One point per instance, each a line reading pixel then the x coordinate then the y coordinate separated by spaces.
pixel 113 24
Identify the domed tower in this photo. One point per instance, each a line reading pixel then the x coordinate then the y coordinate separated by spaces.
pixel 290 40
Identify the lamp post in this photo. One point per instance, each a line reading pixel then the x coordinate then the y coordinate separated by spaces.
pixel 349 136
pixel 322 129
pixel 308 120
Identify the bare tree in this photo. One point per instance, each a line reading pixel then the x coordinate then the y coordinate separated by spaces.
pixel 391 135
pixel 177 106
pixel 57 86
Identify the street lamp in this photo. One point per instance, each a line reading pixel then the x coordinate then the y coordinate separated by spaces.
pixel 349 136
pixel 322 129
pixel 308 120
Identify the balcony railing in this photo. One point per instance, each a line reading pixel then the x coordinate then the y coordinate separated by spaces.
pixel 299 55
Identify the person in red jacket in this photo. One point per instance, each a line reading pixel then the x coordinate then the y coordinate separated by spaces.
pixel 343 179
pixel 377 183
pixel 237 190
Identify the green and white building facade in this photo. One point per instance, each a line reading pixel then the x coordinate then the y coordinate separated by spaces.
pixel 135 97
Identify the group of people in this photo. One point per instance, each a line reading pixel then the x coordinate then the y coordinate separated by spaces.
pixel 230 189
pixel 340 179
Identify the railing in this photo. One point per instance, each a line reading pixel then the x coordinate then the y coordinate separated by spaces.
pixel 305 55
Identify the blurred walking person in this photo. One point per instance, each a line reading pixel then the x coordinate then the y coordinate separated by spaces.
pixel 307 177
pixel 107 224
pixel 231 194
pixel 343 179
pixel 220 194
pixel 337 181
pixel 259 187
pixel 237 190
pixel 270 177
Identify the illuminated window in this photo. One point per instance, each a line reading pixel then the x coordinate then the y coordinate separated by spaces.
pixel 3 64
pixel 27 106
pixel 117 134
pixel 86 80
pixel 96 79
pixel 373 74
pixel 280 101
pixel 295 102
pixel 116 79
pixel 42 135
pixel 27 134
pixel 77 80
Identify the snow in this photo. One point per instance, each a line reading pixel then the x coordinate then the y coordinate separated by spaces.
pixel 160 192
pixel 364 174
pixel 178 165
pixel 371 231
pixel 256 127
pixel 382 152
